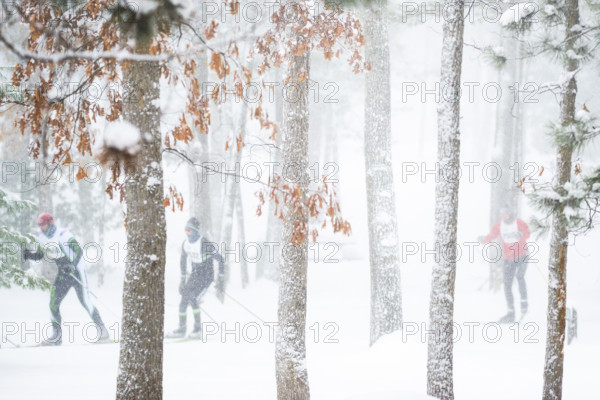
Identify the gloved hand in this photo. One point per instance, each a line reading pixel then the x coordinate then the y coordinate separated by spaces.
pixel 27 254
pixel 220 286
pixel 65 266
pixel 182 286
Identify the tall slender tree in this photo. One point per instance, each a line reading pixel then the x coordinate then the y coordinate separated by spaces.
pixel 508 136
pixel 241 234
pixel 557 265
pixel 141 356
pixel 291 372
pixel 386 298
pixel 269 267
pixel 199 183
pixel 441 309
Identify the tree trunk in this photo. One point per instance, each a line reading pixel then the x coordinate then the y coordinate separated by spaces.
pixel 200 202
pixel 269 263
pixel 504 191
pixel 239 216
pixel 290 352
pixel 557 267
pixel 141 355
pixel 386 298
pixel 441 312
pixel 86 212
pixel 101 266
pixel 232 191
pixel 45 203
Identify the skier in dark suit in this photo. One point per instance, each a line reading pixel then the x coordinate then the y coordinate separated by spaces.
pixel 197 274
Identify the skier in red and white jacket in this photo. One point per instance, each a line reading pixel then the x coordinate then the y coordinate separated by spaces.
pixel 513 233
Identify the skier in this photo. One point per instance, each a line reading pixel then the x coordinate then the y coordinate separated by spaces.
pixel 514 234
pixel 195 282
pixel 60 247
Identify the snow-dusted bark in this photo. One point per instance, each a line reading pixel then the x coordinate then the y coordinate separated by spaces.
pixel 441 311
pixel 386 299
pixel 141 353
pixel 290 353
pixel 557 267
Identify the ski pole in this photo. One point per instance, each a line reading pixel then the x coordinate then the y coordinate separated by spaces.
pixel 208 315
pixel 244 307
pixel 10 341
pixel 93 294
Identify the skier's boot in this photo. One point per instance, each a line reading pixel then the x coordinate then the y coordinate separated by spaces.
pixel 179 332
pixel 55 339
pixel 197 331
pixel 508 318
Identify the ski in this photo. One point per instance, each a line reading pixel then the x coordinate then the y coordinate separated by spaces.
pixel 34 345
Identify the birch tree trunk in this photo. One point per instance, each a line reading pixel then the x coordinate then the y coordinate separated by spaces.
pixel 557 267
pixel 441 312
pixel 386 299
pixel 141 353
pixel 290 347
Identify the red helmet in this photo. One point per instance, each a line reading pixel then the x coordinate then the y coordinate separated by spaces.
pixel 45 218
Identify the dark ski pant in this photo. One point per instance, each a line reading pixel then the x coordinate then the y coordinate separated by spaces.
pixel 193 290
pixel 512 268
pixel 62 284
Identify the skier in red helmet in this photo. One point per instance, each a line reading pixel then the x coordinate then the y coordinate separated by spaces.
pixel 513 233
pixel 60 247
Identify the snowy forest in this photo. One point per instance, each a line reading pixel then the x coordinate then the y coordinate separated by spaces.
pixel 296 199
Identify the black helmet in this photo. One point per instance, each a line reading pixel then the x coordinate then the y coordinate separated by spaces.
pixel 193 224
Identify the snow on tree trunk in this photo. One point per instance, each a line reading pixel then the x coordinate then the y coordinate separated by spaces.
pixel 290 347
pixel 441 311
pixel 141 352
pixel 557 267
pixel 386 299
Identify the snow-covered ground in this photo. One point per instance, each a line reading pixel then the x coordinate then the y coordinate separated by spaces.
pixel 340 363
